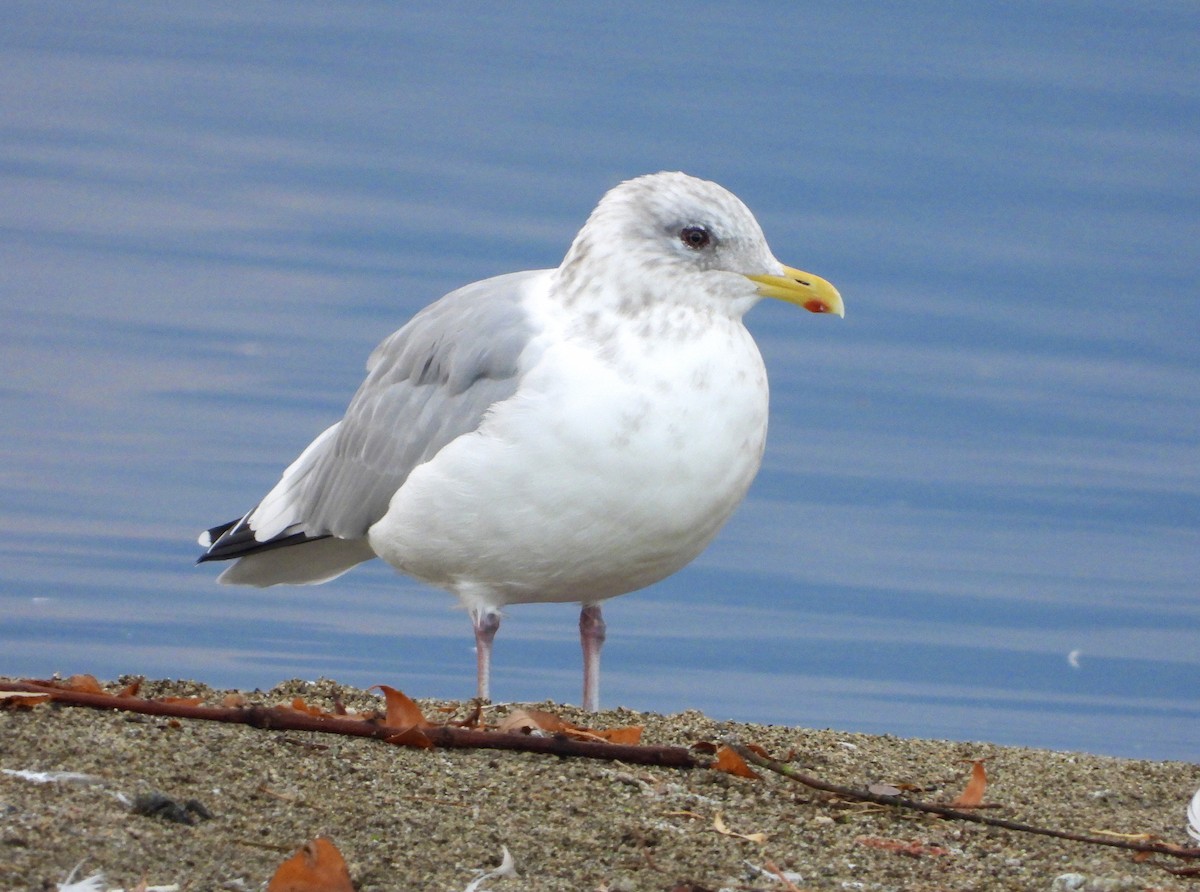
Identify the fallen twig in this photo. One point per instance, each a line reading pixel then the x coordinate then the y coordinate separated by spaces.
pixel 945 811
pixel 448 736
pixel 285 719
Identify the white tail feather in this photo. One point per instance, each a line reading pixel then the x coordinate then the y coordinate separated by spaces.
pixel 308 563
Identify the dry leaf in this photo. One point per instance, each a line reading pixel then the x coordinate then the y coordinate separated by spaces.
pixel 520 721
pixel 972 795
pixel 526 721
pixel 414 737
pixel 731 763
pixel 720 826
pixel 316 867
pixel 912 848
pixel 630 734
pixel 402 712
pixel 83 684
pixel 899 788
pixel 21 699
pixel 299 705
pixel 474 719
pixel 131 689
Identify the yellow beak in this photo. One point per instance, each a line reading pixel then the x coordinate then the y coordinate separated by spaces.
pixel 803 289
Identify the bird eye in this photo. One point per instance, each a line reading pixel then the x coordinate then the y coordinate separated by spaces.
pixel 695 237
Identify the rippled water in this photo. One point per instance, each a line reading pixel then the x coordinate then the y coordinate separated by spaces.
pixel 980 507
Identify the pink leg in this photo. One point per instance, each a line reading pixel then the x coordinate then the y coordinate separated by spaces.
pixel 591 638
pixel 486 621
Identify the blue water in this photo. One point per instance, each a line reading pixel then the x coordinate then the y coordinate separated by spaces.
pixel 979 516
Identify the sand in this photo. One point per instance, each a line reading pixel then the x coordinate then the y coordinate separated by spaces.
pixel 408 819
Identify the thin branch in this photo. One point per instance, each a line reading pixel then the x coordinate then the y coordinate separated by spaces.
pixel 945 811
pixel 286 719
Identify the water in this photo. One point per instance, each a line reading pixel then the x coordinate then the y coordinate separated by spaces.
pixel 979 512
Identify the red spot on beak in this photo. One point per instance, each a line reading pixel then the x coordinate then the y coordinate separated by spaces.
pixel 816 306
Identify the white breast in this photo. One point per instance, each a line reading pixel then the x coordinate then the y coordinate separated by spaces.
pixel 612 467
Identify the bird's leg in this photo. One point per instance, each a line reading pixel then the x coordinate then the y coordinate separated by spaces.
pixel 486 621
pixel 591 638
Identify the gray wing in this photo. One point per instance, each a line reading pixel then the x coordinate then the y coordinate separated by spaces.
pixel 427 384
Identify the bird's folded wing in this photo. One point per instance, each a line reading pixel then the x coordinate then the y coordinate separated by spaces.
pixel 427 384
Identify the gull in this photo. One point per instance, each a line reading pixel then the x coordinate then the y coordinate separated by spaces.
pixel 568 434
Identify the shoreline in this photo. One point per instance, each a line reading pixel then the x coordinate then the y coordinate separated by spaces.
pixel 432 819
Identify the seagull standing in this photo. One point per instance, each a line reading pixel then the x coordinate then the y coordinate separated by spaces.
pixel 569 434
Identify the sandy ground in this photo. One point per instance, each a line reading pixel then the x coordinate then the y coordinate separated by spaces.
pixel 410 819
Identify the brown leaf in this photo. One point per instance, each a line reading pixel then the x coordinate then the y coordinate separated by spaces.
pixel 731 763
pixel 630 734
pixel 316 867
pixel 528 720
pixel 972 795
pixel 912 848
pixel 298 704
pixel 131 689
pixel 233 699
pixel 414 737
pixel 83 684
pixel 402 712
pixel 474 719
pixel 20 700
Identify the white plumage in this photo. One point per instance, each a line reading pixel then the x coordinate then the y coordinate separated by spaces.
pixel 557 435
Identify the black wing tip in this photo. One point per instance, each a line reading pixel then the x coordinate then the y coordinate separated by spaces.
pixel 233 540
pixel 211 538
